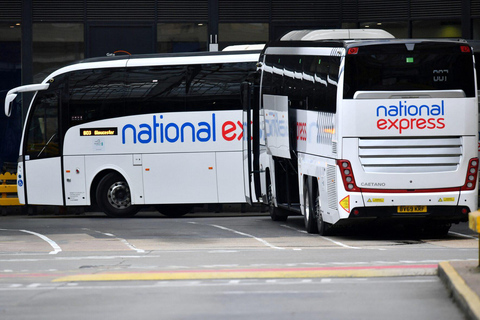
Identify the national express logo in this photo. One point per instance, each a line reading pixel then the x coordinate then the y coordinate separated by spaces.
pixel 404 117
pixel 159 130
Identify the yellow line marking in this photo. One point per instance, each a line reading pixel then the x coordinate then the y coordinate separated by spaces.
pixel 232 274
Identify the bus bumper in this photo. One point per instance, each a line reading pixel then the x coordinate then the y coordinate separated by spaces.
pixel 447 214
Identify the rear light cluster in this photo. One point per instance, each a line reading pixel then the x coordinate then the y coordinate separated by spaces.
pixel 352 50
pixel 472 174
pixel 347 176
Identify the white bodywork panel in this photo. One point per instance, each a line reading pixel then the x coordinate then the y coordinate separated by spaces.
pixel 195 182
pixel 276 125
pixel 44 187
pixel 74 179
pixel 169 158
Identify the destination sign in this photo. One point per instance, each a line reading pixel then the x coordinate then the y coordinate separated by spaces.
pixel 98 132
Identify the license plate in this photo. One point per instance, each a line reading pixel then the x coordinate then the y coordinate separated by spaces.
pixel 408 209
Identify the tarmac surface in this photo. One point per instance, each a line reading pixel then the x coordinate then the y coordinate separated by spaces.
pixel 462 279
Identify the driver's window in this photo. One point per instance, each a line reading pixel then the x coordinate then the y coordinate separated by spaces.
pixel 42 134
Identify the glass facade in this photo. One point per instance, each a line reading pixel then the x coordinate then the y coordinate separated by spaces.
pixel 242 33
pixel 55 45
pixel 398 29
pixel 10 77
pixel 437 29
pixel 476 29
pixel 182 37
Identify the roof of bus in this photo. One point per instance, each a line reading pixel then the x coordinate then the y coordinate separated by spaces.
pixel 168 55
pixel 347 43
pixel 158 60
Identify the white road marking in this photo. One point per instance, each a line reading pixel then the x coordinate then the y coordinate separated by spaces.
pixel 124 241
pixel 463 235
pixel 243 234
pixel 338 243
pixel 53 244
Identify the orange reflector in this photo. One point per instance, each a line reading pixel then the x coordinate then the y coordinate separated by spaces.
pixel 210 168
pixel 68 171
pixel 147 169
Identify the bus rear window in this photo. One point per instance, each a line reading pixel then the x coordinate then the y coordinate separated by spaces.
pixel 392 67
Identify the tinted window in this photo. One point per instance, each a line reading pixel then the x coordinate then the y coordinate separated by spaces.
pixel 43 140
pixel 96 94
pixel 392 67
pixel 310 82
pixel 156 89
pixel 216 86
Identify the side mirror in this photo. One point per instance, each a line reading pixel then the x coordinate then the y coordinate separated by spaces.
pixel 9 103
pixel 12 94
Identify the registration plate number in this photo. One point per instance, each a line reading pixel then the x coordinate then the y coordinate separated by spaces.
pixel 409 209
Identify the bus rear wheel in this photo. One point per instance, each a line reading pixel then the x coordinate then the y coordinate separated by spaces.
pixel 114 197
pixel 323 227
pixel 309 207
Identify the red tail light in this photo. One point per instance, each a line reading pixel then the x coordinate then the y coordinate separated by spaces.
pixel 465 48
pixel 353 50
pixel 347 176
pixel 472 175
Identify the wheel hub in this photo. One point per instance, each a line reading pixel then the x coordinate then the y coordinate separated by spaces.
pixel 119 195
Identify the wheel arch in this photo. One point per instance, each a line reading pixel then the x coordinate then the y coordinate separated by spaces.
pixel 94 184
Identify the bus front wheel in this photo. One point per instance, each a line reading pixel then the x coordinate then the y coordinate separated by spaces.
pixel 114 197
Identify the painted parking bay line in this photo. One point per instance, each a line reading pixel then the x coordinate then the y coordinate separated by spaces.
pixel 324 272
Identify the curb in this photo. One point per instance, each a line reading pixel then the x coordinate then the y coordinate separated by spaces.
pixel 468 300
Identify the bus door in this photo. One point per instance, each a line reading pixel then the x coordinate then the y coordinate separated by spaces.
pixel 42 172
pixel 251 144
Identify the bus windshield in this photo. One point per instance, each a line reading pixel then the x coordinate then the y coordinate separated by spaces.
pixel 409 67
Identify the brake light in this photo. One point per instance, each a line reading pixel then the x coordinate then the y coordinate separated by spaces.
pixel 347 176
pixel 465 48
pixel 472 174
pixel 352 50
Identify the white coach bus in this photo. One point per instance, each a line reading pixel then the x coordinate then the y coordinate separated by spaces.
pixel 377 128
pixel 128 131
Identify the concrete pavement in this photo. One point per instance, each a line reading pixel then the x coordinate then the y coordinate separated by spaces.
pixel 462 278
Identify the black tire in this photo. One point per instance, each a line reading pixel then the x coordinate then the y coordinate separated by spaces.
pixel 309 215
pixel 174 210
pixel 276 214
pixel 323 227
pixel 114 197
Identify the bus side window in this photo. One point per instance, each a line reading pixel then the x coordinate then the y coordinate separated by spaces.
pixel 331 97
pixel 321 83
pixel 154 89
pixel 96 94
pixel 267 76
pixel 216 86
pixel 292 77
pixel 309 88
pixel 278 87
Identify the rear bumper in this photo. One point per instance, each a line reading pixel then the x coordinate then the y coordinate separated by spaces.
pixel 447 214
